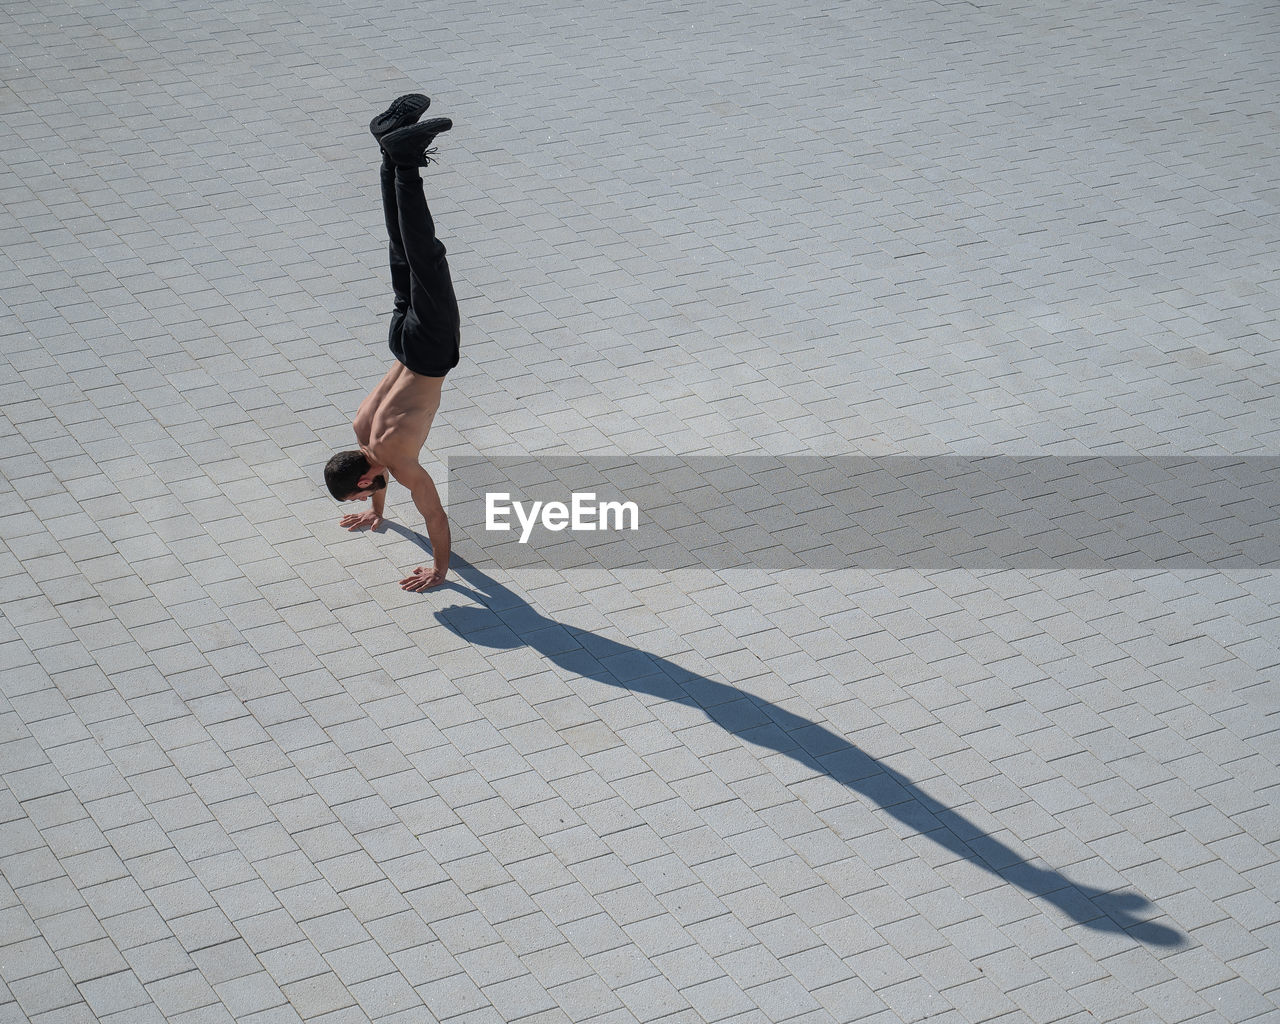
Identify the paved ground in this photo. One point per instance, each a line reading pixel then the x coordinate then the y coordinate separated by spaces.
pixel 246 778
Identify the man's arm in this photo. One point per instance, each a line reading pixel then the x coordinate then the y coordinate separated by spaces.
pixel 427 500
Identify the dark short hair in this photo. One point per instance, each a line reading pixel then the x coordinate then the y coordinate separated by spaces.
pixel 342 474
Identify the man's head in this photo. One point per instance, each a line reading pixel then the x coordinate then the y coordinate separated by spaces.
pixel 349 477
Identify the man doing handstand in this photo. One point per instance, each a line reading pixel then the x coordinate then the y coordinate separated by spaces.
pixel 392 423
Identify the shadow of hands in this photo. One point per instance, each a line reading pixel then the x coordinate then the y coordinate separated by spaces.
pixel 478 625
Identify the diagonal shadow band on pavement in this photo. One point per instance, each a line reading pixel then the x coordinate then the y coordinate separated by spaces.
pixel 508 621
pixel 873 512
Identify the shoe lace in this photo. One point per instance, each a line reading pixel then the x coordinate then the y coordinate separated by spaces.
pixel 428 156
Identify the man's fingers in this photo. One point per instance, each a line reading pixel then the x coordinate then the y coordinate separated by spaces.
pixel 421 580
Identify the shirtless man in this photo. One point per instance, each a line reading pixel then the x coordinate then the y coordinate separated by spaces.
pixel 392 423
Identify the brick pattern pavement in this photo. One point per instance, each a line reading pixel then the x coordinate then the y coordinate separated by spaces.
pixel 247 778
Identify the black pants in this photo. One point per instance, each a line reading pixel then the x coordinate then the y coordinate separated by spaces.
pixel 424 333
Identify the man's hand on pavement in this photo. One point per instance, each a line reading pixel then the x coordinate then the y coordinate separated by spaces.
pixel 422 578
pixel 358 520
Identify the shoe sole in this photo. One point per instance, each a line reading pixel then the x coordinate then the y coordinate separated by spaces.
pixel 404 111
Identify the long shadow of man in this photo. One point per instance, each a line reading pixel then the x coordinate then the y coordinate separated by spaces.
pixel 507 621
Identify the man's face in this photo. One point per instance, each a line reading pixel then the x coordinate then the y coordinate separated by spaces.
pixel 369 486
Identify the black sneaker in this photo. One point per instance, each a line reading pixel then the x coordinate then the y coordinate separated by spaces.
pixel 408 146
pixel 404 111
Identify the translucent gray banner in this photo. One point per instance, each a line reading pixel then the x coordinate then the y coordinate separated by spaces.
pixel 887 512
